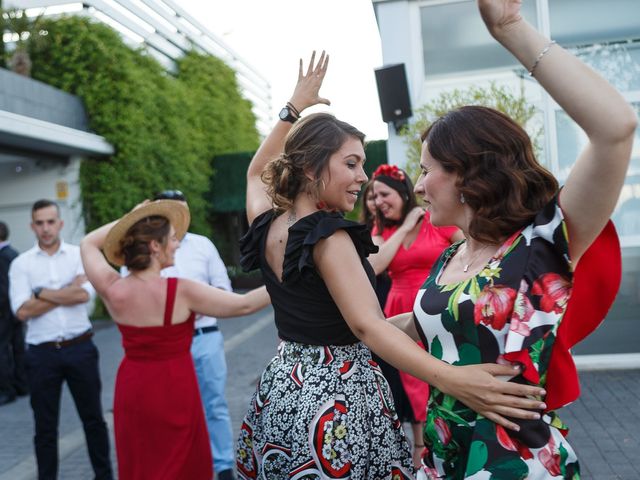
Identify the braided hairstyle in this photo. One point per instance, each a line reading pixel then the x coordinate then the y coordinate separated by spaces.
pixel 307 150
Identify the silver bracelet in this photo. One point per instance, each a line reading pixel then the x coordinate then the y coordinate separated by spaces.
pixel 542 54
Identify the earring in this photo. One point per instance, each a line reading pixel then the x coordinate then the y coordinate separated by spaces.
pixel 324 187
pixel 462 198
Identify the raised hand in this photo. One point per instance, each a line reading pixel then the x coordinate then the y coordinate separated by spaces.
pixel 307 90
pixel 500 15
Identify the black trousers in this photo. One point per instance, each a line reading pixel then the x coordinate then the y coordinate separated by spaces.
pixel 47 368
pixel 13 378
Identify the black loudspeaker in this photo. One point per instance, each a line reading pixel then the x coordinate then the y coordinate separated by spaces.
pixel 394 94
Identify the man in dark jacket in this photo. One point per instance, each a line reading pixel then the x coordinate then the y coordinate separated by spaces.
pixel 13 379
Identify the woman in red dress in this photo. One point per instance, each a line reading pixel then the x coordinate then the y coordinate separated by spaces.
pixel 159 421
pixel 409 246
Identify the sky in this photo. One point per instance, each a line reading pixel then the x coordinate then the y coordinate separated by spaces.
pixel 272 35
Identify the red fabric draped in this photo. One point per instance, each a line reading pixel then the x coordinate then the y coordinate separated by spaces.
pixel 595 284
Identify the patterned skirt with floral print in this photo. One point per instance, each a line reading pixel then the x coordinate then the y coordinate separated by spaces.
pixel 322 412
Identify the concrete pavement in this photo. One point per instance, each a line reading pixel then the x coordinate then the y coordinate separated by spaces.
pixel 604 422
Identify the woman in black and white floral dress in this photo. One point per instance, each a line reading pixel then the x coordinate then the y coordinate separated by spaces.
pixel 322 408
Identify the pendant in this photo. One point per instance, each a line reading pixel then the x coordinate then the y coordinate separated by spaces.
pixel 466 267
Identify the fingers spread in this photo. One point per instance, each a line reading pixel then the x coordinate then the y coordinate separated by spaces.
pixel 318 69
pixel 323 69
pixel 311 62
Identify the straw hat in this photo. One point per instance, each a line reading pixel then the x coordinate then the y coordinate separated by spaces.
pixel 177 213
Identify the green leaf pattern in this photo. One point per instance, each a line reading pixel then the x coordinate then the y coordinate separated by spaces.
pixel 467 443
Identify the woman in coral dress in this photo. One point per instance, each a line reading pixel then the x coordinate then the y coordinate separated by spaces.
pixel 159 422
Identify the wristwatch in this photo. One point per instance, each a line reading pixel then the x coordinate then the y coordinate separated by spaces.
pixel 287 114
pixel 36 291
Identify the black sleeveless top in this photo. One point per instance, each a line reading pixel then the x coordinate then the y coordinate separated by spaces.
pixel 304 309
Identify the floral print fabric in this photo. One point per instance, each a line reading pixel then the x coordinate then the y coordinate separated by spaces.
pixel 509 312
pixel 323 412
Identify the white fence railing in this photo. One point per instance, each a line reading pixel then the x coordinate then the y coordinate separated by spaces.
pixel 168 31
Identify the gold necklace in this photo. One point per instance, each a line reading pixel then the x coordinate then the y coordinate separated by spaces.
pixel 473 259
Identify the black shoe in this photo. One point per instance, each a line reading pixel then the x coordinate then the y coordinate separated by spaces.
pixel 21 391
pixel 226 475
pixel 4 399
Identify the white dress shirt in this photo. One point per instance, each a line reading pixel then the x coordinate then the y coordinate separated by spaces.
pixel 198 259
pixel 36 268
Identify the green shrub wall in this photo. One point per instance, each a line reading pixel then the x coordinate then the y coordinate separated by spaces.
pixel 165 127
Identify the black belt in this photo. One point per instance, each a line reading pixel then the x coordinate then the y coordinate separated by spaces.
pixel 203 330
pixel 83 337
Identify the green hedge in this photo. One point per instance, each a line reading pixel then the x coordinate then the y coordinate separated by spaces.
pixel 165 127
pixel 376 152
pixel 229 184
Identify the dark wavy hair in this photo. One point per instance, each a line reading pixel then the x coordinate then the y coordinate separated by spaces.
pixel 408 202
pixel 498 174
pixel 135 244
pixel 307 150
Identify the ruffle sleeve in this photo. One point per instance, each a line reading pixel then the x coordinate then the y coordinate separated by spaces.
pixel 251 242
pixel 308 231
pixel 594 290
pixel 570 303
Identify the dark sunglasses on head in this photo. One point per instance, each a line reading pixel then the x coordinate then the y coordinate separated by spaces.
pixel 170 195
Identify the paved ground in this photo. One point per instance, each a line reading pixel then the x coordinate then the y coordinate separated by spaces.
pixel 605 422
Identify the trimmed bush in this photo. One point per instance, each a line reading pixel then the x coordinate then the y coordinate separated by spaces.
pixel 165 127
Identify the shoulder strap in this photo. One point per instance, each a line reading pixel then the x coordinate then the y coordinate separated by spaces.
pixel 172 284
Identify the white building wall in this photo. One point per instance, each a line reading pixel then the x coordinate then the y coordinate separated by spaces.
pixel 19 190
pixel 399 25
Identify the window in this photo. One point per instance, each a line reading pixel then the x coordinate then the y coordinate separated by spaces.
pixel 585 22
pixel 454 39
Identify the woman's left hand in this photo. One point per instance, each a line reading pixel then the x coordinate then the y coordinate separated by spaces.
pixel 307 91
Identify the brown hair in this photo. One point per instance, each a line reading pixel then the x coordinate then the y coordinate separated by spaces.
pixel 366 217
pixel 44 203
pixel 498 174
pixel 404 188
pixel 135 244
pixel 307 150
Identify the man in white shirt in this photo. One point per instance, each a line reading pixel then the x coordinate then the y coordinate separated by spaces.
pixel 198 259
pixel 49 291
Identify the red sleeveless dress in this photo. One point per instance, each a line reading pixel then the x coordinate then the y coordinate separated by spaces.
pixel 159 422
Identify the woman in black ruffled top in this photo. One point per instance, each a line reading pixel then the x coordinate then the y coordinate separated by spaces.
pixel 322 408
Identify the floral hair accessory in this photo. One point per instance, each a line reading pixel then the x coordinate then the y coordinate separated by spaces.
pixel 391 171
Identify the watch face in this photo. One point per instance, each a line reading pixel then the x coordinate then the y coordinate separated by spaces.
pixel 284 113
